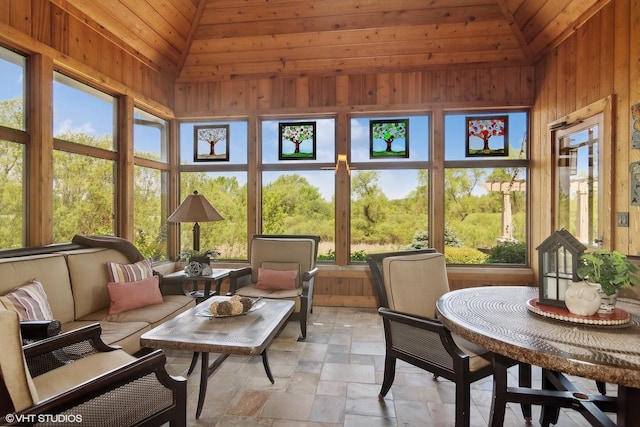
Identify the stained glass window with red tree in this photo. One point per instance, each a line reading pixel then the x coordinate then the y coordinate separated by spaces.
pixel 487 136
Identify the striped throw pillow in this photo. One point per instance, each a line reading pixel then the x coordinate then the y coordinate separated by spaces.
pixel 129 272
pixel 29 301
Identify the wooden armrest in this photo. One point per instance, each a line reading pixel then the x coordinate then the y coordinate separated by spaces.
pixel 39 329
pixel 112 385
pixel 90 333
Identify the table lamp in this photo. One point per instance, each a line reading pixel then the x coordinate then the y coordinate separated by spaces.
pixel 195 208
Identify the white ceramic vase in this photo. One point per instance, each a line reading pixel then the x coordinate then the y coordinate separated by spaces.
pixel 583 298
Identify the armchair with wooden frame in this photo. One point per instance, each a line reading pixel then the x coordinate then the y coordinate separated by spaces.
pixel 408 284
pixel 272 258
pixel 75 376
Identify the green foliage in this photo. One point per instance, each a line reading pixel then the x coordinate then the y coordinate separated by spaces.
pixel 358 256
pixel 507 253
pixel 464 256
pixel 329 256
pixel 421 239
pixel 611 269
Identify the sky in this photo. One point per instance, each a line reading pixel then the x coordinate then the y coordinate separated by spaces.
pixel 93 112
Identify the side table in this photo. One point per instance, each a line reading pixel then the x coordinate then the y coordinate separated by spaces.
pixel 216 277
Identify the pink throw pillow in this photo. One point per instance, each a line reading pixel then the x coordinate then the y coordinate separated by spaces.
pixel 126 296
pixel 276 280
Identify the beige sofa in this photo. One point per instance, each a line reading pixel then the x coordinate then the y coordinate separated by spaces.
pixel 74 279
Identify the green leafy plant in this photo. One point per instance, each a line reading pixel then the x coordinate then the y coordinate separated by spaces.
pixel 187 254
pixel 611 269
pixel 507 253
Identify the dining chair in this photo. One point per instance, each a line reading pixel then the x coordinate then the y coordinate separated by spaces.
pixel 408 284
pixel 282 266
pixel 76 378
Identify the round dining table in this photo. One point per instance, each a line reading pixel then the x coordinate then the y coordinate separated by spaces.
pixel 507 321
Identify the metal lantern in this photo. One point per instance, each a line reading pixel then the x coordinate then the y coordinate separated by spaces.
pixel 558 259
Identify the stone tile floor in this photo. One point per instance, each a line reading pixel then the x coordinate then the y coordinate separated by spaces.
pixel 333 379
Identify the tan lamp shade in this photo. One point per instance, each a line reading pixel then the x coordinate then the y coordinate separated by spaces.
pixel 195 208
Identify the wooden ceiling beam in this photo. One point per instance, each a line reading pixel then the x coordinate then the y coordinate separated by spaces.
pixel 368 65
pixel 345 22
pixel 418 34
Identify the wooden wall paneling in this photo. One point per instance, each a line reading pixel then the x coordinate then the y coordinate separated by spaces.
pixel 265 95
pixel 400 89
pixel 512 89
pixel 607 149
pixel 484 82
pixel 322 91
pixel 302 92
pixel 498 87
pixel 384 87
pixel 283 93
pixel 615 17
pixel 528 85
pixel 582 64
pixel 59 39
pixel 605 49
pixel 538 224
pixel 563 75
pixel 452 86
pixel 362 89
pixel 551 87
pixel 233 95
pixel 342 91
pixel 592 66
pixel 469 84
pixel 210 97
pixel 631 18
pixel 40 21
pixel 18 14
pixel 426 90
pixel 438 86
pixel 414 87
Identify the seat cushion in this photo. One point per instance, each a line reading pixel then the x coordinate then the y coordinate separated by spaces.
pixel 82 370
pixel 479 357
pixel 253 292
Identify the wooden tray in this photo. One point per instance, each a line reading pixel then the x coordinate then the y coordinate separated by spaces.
pixel 619 318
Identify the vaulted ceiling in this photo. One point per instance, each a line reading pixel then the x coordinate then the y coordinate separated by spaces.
pixel 209 40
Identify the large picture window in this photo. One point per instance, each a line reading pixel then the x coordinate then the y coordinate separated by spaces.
pixel 84 160
pixel 485 194
pixel 12 148
pixel 150 191
pixel 297 195
pixel 389 184
pixel 223 183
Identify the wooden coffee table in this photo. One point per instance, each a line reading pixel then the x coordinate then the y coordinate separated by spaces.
pixel 249 334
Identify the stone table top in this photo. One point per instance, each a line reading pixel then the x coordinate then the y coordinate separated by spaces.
pixel 497 318
pixel 246 334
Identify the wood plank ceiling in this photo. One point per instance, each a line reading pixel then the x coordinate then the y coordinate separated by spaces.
pixel 211 40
